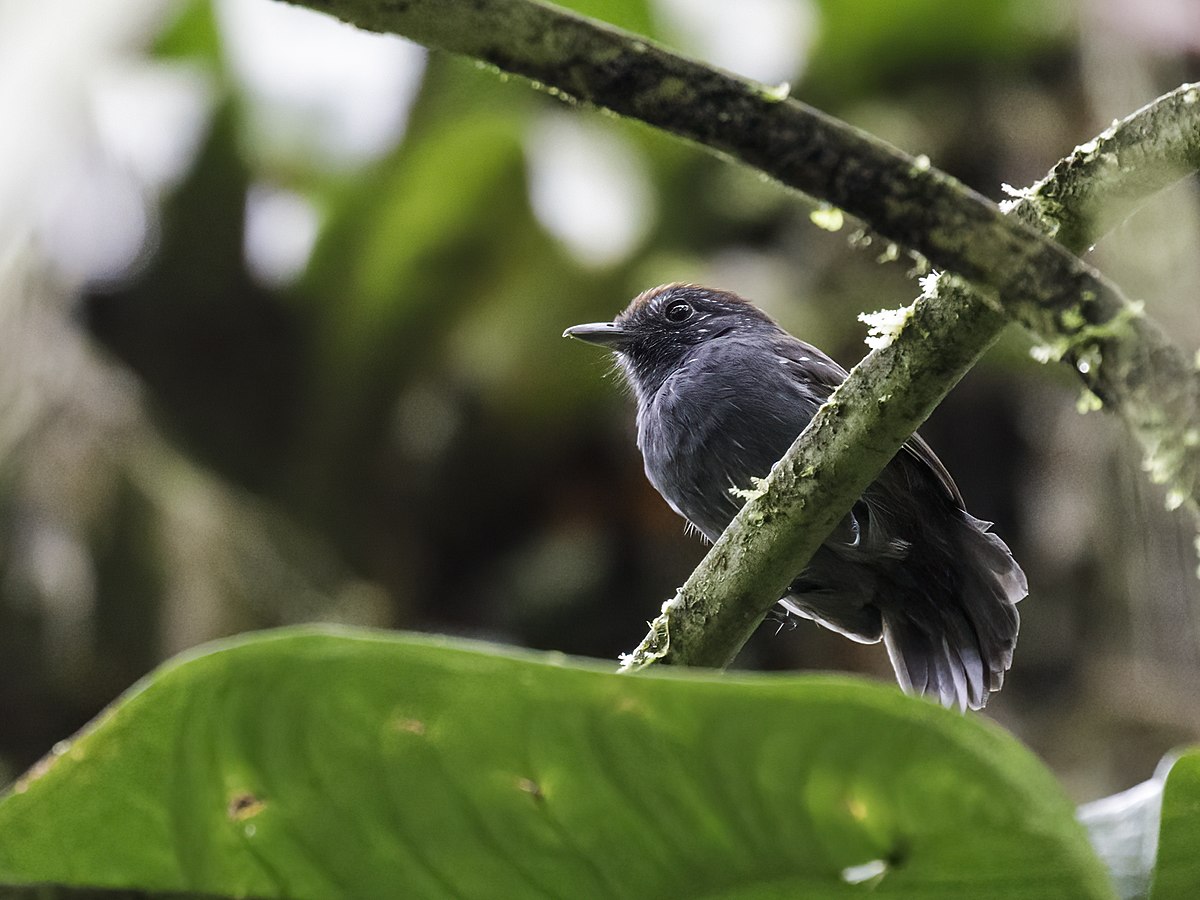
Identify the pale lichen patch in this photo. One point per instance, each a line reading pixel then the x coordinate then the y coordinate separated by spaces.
pixel 884 325
pixel 1048 353
pixel 1088 402
pixel 777 93
pixel 890 253
pixel 1072 318
pixel 657 642
pixel 758 487
pixel 1015 193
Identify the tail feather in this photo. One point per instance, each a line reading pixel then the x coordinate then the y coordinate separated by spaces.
pixel 957 645
pixel 943 598
pixel 931 666
pixel 971 665
pixel 954 690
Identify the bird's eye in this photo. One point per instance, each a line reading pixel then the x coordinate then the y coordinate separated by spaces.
pixel 679 311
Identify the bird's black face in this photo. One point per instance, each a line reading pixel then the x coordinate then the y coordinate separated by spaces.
pixel 661 327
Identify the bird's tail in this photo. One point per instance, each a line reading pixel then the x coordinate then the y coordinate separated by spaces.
pixel 957 646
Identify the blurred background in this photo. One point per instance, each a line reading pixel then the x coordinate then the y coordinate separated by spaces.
pixel 280 306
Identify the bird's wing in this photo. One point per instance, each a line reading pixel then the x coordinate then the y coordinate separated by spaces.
pixel 823 375
pixel 814 372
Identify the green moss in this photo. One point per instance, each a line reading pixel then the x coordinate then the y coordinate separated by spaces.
pixel 758 487
pixel 827 218
pixel 1072 319
pixel 657 642
pixel 919 165
pixel 1165 458
pixel 776 93
pixel 890 253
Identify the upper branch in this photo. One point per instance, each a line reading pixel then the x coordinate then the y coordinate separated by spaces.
pixel 904 199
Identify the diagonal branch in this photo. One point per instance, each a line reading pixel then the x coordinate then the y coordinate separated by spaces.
pixel 1017 273
pixel 867 419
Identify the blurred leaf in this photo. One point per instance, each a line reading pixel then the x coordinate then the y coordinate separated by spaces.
pixel 1123 830
pixel 316 764
pixel 219 352
pixel 405 251
pixel 862 44
pixel 193 32
pixel 1151 831
pixel 632 15
pixel 426 199
pixel 1177 869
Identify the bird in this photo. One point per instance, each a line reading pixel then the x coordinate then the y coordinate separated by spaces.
pixel 722 391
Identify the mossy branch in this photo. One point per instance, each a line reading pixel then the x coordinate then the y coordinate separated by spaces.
pixel 894 388
pixel 1017 274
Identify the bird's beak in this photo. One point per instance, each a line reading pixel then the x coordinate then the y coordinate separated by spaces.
pixel 605 334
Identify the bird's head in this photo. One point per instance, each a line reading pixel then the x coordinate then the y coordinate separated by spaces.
pixel 662 327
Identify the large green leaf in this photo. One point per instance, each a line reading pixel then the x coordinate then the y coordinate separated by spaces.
pixel 1177 868
pixel 1123 829
pixel 1151 832
pixel 318 764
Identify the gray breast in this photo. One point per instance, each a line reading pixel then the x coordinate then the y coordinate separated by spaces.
pixel 719 421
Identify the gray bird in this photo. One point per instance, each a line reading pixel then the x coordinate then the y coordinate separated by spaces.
pixel 722 392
